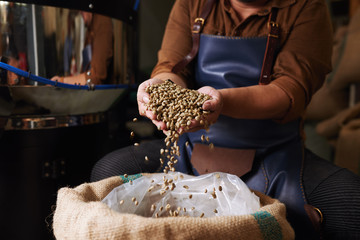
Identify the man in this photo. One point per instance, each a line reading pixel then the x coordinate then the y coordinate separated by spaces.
pixel 260 61
pixel 97 53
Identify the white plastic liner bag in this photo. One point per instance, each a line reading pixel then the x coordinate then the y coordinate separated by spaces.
pixel 178 194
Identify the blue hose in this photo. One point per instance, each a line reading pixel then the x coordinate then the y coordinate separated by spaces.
pixel 136 5
pixel 59 84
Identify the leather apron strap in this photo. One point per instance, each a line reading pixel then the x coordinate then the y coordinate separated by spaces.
pixel 197 28
pixel 271 46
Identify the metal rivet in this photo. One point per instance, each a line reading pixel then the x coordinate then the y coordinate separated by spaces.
pixel 91 6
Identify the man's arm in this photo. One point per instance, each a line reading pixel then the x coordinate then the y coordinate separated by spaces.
pixel 255 102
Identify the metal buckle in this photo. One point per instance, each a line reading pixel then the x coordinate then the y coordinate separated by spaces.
pixel 320 214
pixel 201 21
pixel 90 85
pixel 272 35
pixel 273 24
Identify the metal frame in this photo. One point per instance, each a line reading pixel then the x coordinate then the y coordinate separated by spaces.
pixel 50 122
pixel 125 10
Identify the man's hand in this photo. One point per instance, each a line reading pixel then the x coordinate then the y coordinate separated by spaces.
pixel 143 98
pixel 213 106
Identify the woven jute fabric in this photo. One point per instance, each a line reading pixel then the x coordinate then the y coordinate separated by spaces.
pixel 343 131
pixel 80 214
pixel 329 101
pixel 347 153
pixel 348 70
pixel 333 97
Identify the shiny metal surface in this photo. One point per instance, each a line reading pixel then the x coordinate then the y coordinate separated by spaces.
pixel 123 10
pixel 52 137
pixel 49 122
pixel 50 100
pixel 49 41
pixel 44 107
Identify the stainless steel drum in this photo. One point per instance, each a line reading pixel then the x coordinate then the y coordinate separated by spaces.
pixel 49 100
pixel 49 136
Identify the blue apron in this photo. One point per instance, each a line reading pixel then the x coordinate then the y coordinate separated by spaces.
pixel 229 62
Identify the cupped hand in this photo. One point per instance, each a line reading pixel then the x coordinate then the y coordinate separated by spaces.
pixel 143 98
pixel 213 106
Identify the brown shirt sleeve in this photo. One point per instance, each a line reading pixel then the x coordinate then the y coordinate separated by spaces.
pixel 102 48
pixel 177 40
pixel 304 58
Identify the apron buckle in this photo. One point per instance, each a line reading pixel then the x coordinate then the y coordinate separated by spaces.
pixel 199 22
pixel 272 24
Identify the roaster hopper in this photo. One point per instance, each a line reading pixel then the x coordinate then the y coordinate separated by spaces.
pixel 52 136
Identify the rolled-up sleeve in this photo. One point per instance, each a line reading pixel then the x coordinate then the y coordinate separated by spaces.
pixel 305 57
pixel 177 40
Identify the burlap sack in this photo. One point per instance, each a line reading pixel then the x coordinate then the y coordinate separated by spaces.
pixel 347 153
pixel 328 101
pixel 79 214
pixel 348 70
pixel 333 97
pixel 343 131
pixel 330 128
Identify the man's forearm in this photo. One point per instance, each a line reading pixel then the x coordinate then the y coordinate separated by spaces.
pixel 255 102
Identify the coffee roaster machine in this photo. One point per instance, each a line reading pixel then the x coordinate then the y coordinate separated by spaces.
pixel 51 134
